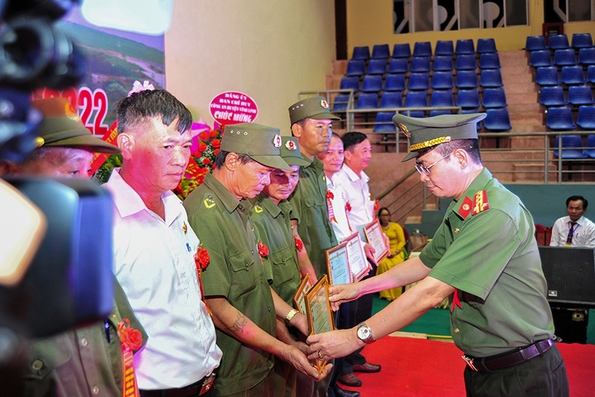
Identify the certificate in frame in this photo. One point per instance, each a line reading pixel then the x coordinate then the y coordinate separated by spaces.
pixel 358 263
pixel 375 238
pixel 299 299
pixel 320 313
pixel 337 263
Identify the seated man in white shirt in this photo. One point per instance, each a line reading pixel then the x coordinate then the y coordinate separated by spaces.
pixel 574 230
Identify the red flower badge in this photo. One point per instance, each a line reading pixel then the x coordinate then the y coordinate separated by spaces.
pixel 263 250
pixel 130 337
pixel 347 207
pixel 329 195
pixel 299 245
pixel 202 258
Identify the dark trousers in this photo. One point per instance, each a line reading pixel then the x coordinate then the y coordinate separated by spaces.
pixel 542 376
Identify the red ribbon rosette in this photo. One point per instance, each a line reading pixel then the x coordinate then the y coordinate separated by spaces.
pixel 202 258
pixel 347 207
pixel 263 250
pixel 299 244
pixel 129 337
pixel 329 195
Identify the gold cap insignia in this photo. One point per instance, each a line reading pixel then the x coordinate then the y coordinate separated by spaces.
pixel 404 130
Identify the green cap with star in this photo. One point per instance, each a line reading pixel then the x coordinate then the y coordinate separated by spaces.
pixel 311 108
pixel 426 133
pixel 261 143
pixel 290 151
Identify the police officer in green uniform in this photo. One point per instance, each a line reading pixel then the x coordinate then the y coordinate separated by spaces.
pixel 271 214
pixel 236 286
pixel 484 256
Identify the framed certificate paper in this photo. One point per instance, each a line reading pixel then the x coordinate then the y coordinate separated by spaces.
pixel 337 263
pixel 375 238
pixel 299 299
pixel 358 263
pixel 320 314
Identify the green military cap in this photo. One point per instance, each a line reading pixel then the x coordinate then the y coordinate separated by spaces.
pixel 62 127
pixel 311 108
pixel 261 143
pixel 290 151
pixel 426 133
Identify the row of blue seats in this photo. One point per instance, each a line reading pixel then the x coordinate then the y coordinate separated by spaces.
pixel 573 148
pixel 561 118
pixel 358 67
pixel 568 75
pixel 559 41
pixel 496 119
pixel 562 57
pixel 421 81
pixel 424 49
pixel 578 95
pixel 469 98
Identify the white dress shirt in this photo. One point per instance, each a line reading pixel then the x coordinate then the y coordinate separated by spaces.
pixel 583 235
pixel 154 262
pixel 339 222
pixel 358 196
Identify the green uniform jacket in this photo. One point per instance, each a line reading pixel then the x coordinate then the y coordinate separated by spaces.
pixel 273 227
pixel 311 210
pixel 235 272
pixel 485 249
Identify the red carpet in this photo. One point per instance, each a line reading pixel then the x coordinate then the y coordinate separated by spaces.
pixel 429 368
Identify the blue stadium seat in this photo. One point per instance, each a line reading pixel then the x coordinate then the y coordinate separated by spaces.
pixel 572 147
pixel 391 99
pixel 442 98
pixel 494 98
pixel 590 150
pixel 340 103
pixel 558 41
pixel 380 51
pixel 356 67
pixel 572 75
pixel 419 81
pixel 559 118
pixel 402 50
pixel 586 118
pixel 552 95
pixel 384 122
pixel 591 74
pixel 564 56
pixel 422 49
pixel 398 65
pixel 420 64
pixel 547 75
pixel 540 58
pixel 490 78
pixel 580 95
pixel 534 43
pixel 466 79
pixel 350 82
pixel 486 46
pixel 468 98
pixel 586 56
pixel 489 60
pixel 442 63
pixel 582 40
pixel 372 83
pixel 367 100
pixel 465 62
pixel 394 82
pixel 497 119
pixel 416 99
pixel 362 52
pixel 444 47
pixel 377 66
pixel 465 46
pixel 442 81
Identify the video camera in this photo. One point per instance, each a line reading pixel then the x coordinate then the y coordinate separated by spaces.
pixel 69 281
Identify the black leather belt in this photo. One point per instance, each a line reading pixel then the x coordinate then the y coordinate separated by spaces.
pixel 506 360
pixel 196 389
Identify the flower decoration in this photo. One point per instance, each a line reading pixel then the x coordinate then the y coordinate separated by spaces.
pixel 202 258
pixel 347 207
pixel 205 147
pixel 376 205
pixel 129 337
pixel 299 244
pixel 329 195
pixel 263 250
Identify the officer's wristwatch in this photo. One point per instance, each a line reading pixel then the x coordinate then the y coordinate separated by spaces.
pixel 364 333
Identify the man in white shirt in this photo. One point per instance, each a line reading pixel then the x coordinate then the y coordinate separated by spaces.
pixel 155 247
pixel 574 230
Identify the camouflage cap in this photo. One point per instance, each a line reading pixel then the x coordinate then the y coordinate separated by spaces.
pixel 261 143
pixel 426 133
pixel 311 108
pixel 290 152
pixel 62 127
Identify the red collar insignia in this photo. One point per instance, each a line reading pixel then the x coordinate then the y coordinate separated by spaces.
pixel 465 208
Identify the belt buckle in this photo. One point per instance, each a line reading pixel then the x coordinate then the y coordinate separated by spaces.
pixel 207 384
pixel 469 362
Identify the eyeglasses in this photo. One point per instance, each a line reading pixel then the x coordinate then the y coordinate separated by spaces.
pixel 422 169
